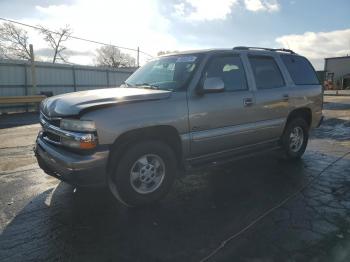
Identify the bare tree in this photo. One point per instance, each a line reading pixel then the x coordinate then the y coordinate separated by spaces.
pixel 111 56
pixel 2 52
pixel 55 40
pixel 14 42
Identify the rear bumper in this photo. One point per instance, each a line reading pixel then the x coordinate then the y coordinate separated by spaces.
pixel 320 122
pixel 317 118
pixel 81 170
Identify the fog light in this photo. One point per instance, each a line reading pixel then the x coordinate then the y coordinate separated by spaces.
pixel 88 142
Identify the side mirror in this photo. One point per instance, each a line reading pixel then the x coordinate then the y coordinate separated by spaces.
pixel 213 85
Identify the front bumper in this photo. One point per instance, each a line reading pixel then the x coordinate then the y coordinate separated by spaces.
pixel 76 169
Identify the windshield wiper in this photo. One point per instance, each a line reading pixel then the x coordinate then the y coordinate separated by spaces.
pixel 125 84
pixel 148 86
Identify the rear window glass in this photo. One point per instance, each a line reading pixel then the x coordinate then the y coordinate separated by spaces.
pixel 266 72
pixel 300 70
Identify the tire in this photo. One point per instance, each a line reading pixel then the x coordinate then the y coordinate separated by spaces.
pixel 295 147
pixel 144 173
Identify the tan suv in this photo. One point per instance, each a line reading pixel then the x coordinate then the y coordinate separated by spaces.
pixel 178 112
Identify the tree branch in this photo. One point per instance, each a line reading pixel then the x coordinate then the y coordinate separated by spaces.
pixel 14 41
pixel 55 40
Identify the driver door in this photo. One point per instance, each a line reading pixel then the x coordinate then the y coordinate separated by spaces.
pixel 225 120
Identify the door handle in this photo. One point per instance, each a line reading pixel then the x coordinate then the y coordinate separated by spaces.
pixel 248 101
pixel 285 97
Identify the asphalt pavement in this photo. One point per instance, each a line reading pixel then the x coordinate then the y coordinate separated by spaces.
pixel 258 209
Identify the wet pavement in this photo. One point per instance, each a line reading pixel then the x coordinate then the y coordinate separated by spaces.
pixel 257 209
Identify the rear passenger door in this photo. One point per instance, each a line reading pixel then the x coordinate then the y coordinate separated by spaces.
pixel 271 96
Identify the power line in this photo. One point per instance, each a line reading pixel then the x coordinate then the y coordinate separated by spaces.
pixel 76 37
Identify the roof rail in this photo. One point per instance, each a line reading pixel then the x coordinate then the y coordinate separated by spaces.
pixel 263 48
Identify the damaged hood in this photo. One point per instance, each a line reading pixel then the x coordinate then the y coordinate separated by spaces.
pixel 74 103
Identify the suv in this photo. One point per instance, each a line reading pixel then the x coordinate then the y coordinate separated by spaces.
pixel 178 112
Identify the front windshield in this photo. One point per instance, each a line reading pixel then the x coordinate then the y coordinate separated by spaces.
pixel 168 73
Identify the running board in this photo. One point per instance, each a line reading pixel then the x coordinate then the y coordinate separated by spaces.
pixel 223 158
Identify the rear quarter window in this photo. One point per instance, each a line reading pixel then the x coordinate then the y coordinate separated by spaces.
pixel 300 70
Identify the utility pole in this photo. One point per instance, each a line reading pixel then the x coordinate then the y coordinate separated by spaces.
pixel 138 56
pixel 32 67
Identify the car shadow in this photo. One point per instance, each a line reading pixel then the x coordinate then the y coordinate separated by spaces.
pixel 18 119
pixel 202 209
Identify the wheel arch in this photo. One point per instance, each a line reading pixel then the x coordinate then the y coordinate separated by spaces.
pixel 165 133
pixel 303 112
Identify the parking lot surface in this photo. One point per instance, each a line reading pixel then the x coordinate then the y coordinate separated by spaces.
pixel 256 209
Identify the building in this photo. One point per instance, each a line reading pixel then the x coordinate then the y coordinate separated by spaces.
pixel 337 72
pixel 321 74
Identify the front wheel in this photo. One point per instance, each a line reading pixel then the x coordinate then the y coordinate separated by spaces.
pixel 295 138
pixel 144 173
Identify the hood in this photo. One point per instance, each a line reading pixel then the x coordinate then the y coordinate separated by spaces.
pixel 75 103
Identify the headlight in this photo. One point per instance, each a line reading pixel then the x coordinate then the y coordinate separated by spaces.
pixel 87 141
pixel 78 125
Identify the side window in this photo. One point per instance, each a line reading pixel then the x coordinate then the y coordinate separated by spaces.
pixel 230 70
pixel 266 72
pixel 300 70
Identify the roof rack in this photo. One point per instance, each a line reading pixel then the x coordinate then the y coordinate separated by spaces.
pixel 263 48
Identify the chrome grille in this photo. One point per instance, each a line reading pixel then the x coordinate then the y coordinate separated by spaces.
pixel 51 137
pixel 55 121
pixel 47 133
pixel 53 134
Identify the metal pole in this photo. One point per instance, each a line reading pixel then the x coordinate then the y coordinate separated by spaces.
pixel 74 79
pixel 25 83
pixel 138 56
pixel 107 75
pixel 32 60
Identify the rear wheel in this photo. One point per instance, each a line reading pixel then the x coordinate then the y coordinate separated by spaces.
pixel 144 173
pixel 295 138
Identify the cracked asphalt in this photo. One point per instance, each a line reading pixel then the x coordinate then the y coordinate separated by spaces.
pixel 256 209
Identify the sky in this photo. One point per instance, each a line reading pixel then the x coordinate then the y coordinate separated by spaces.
pixel 313 28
